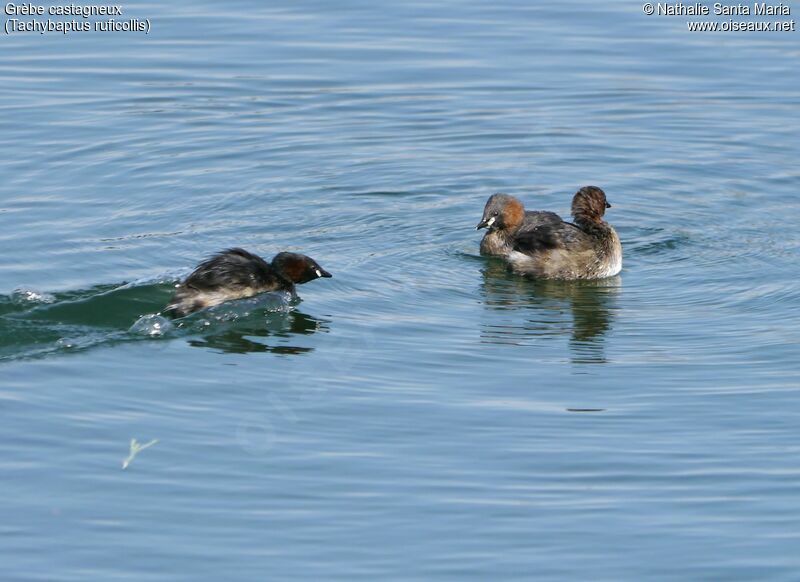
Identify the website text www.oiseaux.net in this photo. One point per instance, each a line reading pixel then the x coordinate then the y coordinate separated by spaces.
pixel 742 26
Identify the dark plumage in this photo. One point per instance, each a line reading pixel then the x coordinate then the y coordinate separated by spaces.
pixel 541 244
pixel 236 273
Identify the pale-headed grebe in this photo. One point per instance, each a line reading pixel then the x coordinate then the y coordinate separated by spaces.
pixel 541 244
pixel 236 273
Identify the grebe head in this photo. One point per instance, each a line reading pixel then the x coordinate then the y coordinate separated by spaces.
pixel 589 203
pixel 502 212
pixel 298 268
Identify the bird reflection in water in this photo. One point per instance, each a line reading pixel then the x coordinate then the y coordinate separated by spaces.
pixel 524 310
pixel 278 333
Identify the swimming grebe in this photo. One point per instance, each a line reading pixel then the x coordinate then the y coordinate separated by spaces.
pixel 541 244
pixel 236 273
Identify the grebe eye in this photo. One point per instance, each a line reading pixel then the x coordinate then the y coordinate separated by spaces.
pixel 495 213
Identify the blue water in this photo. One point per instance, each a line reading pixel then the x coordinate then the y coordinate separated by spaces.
pixel 423 414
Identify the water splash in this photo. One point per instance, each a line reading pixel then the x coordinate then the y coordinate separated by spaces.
pixel 29 296
pixel 152 325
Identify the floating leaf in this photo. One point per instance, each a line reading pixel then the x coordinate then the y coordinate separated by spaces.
pixel 136 448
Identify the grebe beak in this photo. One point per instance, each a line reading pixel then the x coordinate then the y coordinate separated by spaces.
pixel 485 223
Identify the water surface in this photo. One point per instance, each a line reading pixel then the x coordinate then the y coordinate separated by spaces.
pixel 423 414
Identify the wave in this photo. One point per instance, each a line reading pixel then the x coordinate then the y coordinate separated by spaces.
pixel 35 324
